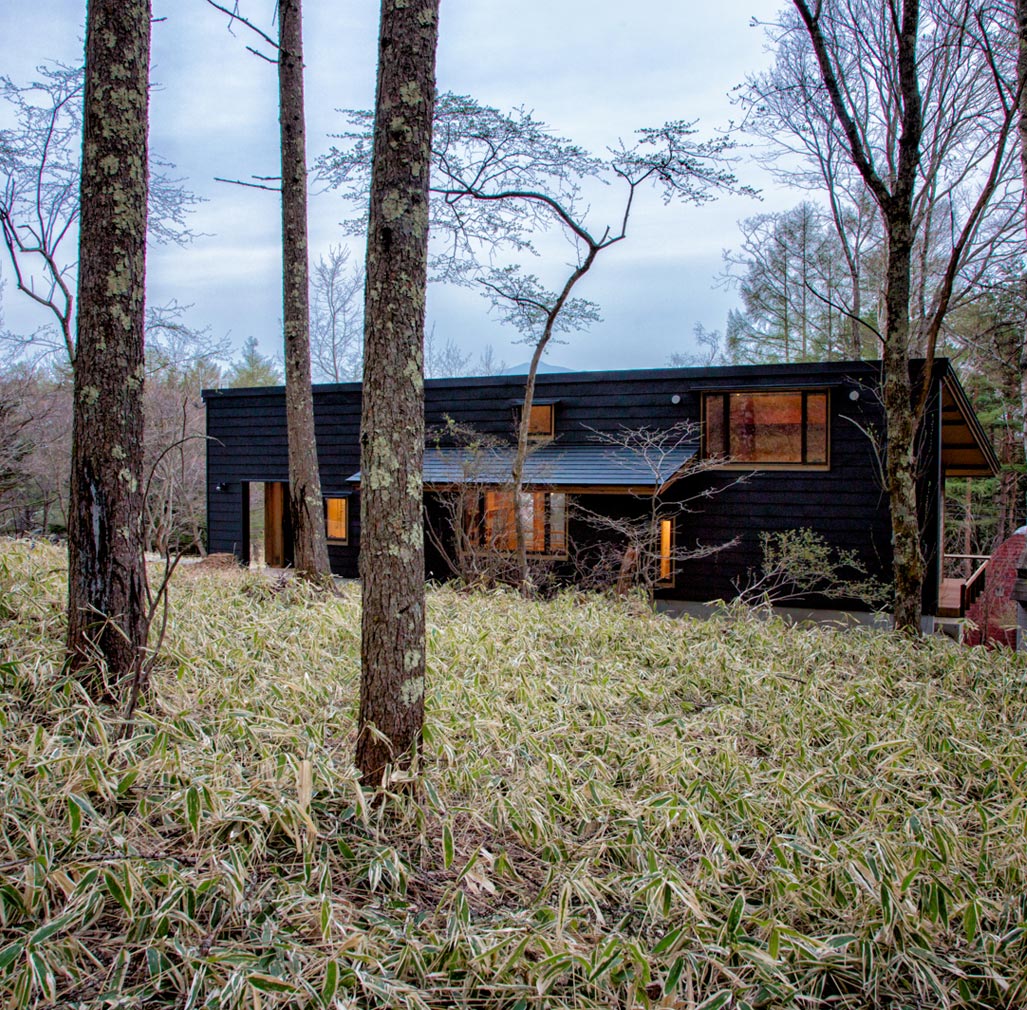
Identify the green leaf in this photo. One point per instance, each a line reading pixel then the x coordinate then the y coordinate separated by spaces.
pixel 607 964
pixel 674 975
pixel 126 781
pixel 970 920
pixel 734 917
pixel 74 816
pixel 716 1001
pixel 841 940
pixel 192 808
pixel 668 940
pixel 45 932
pixel 43 974
pixel 77 806
pixel 120 894
pixel 331 982
pixel 447 846
pixel 11 953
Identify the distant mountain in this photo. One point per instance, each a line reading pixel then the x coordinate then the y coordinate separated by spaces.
pixel 544 366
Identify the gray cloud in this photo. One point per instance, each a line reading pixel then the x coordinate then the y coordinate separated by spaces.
pixel 593 69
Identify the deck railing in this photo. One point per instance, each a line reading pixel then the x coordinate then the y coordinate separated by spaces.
pixel 972 584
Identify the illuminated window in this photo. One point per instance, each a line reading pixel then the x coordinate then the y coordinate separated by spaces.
pixel 666 577
pixel 337 520
pixel 767 428
pixel 540 421
pixel 543 515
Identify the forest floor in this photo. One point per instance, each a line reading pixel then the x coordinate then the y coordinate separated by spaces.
pixel 613 809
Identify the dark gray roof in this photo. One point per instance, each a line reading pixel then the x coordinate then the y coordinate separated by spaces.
pixel 555 465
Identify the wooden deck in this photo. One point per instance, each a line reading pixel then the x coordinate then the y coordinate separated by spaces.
pixel 949 598
pixel 957 596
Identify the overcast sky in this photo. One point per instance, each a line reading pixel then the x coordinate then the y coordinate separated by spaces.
pixel 595 70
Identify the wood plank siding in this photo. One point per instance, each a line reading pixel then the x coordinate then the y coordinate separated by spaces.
pixel 845 502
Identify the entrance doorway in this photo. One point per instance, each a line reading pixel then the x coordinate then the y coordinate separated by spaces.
pixel 267 534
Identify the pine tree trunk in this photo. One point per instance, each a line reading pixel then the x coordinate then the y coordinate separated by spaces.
pixel 106 587
pixel 392 421
pixel 306 508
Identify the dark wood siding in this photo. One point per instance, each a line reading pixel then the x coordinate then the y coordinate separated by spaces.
pixel 846 503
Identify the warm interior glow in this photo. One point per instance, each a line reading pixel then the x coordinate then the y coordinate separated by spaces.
pixel 543 515
pixel 767 427
pixel 540 420
pixel 337 519
pixel 666 550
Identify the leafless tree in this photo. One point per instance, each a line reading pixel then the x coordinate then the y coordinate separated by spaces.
pixel 37 435
pixel 711 350
pixel 916 98
pixel 444 360
pixel 40 159
pixel 500 179
pixel 336 323
pixel 1020 12
pixel 642 550
pixel 180 363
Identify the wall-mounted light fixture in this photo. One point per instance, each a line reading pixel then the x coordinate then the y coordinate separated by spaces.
pixel 854 395
pixel 676 398
pixel 221 488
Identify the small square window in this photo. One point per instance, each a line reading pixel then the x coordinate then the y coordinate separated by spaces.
pixel 337 520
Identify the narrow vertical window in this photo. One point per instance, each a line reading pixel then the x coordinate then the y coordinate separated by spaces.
pixel 337 520
pixel 666 552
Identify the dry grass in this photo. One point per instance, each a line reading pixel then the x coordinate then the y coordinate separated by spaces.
pixel 618 810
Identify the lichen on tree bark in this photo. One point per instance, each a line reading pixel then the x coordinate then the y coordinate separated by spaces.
pixel 392 421
pixel 107 622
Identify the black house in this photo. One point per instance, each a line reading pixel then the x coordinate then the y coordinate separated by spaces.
pixel 807 437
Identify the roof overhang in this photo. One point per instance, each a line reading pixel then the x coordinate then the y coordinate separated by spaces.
pixel 966 450
pixel 609 468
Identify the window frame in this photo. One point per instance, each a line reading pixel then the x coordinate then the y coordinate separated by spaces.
pixel 490 540
pixel 344 500
pixel 666 570
pixel 805 392
pixel 547 434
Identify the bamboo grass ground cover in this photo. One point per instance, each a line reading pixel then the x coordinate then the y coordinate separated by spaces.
pixel 617 810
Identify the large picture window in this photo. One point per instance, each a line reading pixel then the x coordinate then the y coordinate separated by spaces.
pixel 767 428
pixel 543 514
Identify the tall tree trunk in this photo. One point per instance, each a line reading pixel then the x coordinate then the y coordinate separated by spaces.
pixel 1021 81
pixel 306 508
pixel 392 419
pixel 901 455
pixel 106 576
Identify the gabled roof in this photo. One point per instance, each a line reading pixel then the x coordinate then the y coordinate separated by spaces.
pixel 554 465
pixel 966 450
